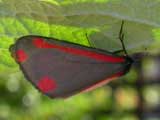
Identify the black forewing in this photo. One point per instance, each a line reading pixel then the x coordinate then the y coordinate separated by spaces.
pixel 72 73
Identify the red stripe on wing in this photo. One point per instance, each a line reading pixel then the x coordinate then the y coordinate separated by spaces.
pixel 40 43
pixel 103 82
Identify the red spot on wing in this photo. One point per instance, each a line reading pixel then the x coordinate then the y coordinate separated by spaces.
pixel 103 82
pixel 46 84
pixel 21 55
pixel 40 43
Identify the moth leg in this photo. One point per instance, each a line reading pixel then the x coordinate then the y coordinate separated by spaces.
pixel 92 45
pixel 121 38
pixel 118 51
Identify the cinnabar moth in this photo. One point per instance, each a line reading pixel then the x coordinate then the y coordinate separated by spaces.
pixel 62 69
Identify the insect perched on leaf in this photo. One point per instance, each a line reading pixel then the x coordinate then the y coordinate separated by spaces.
pixel 61 69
